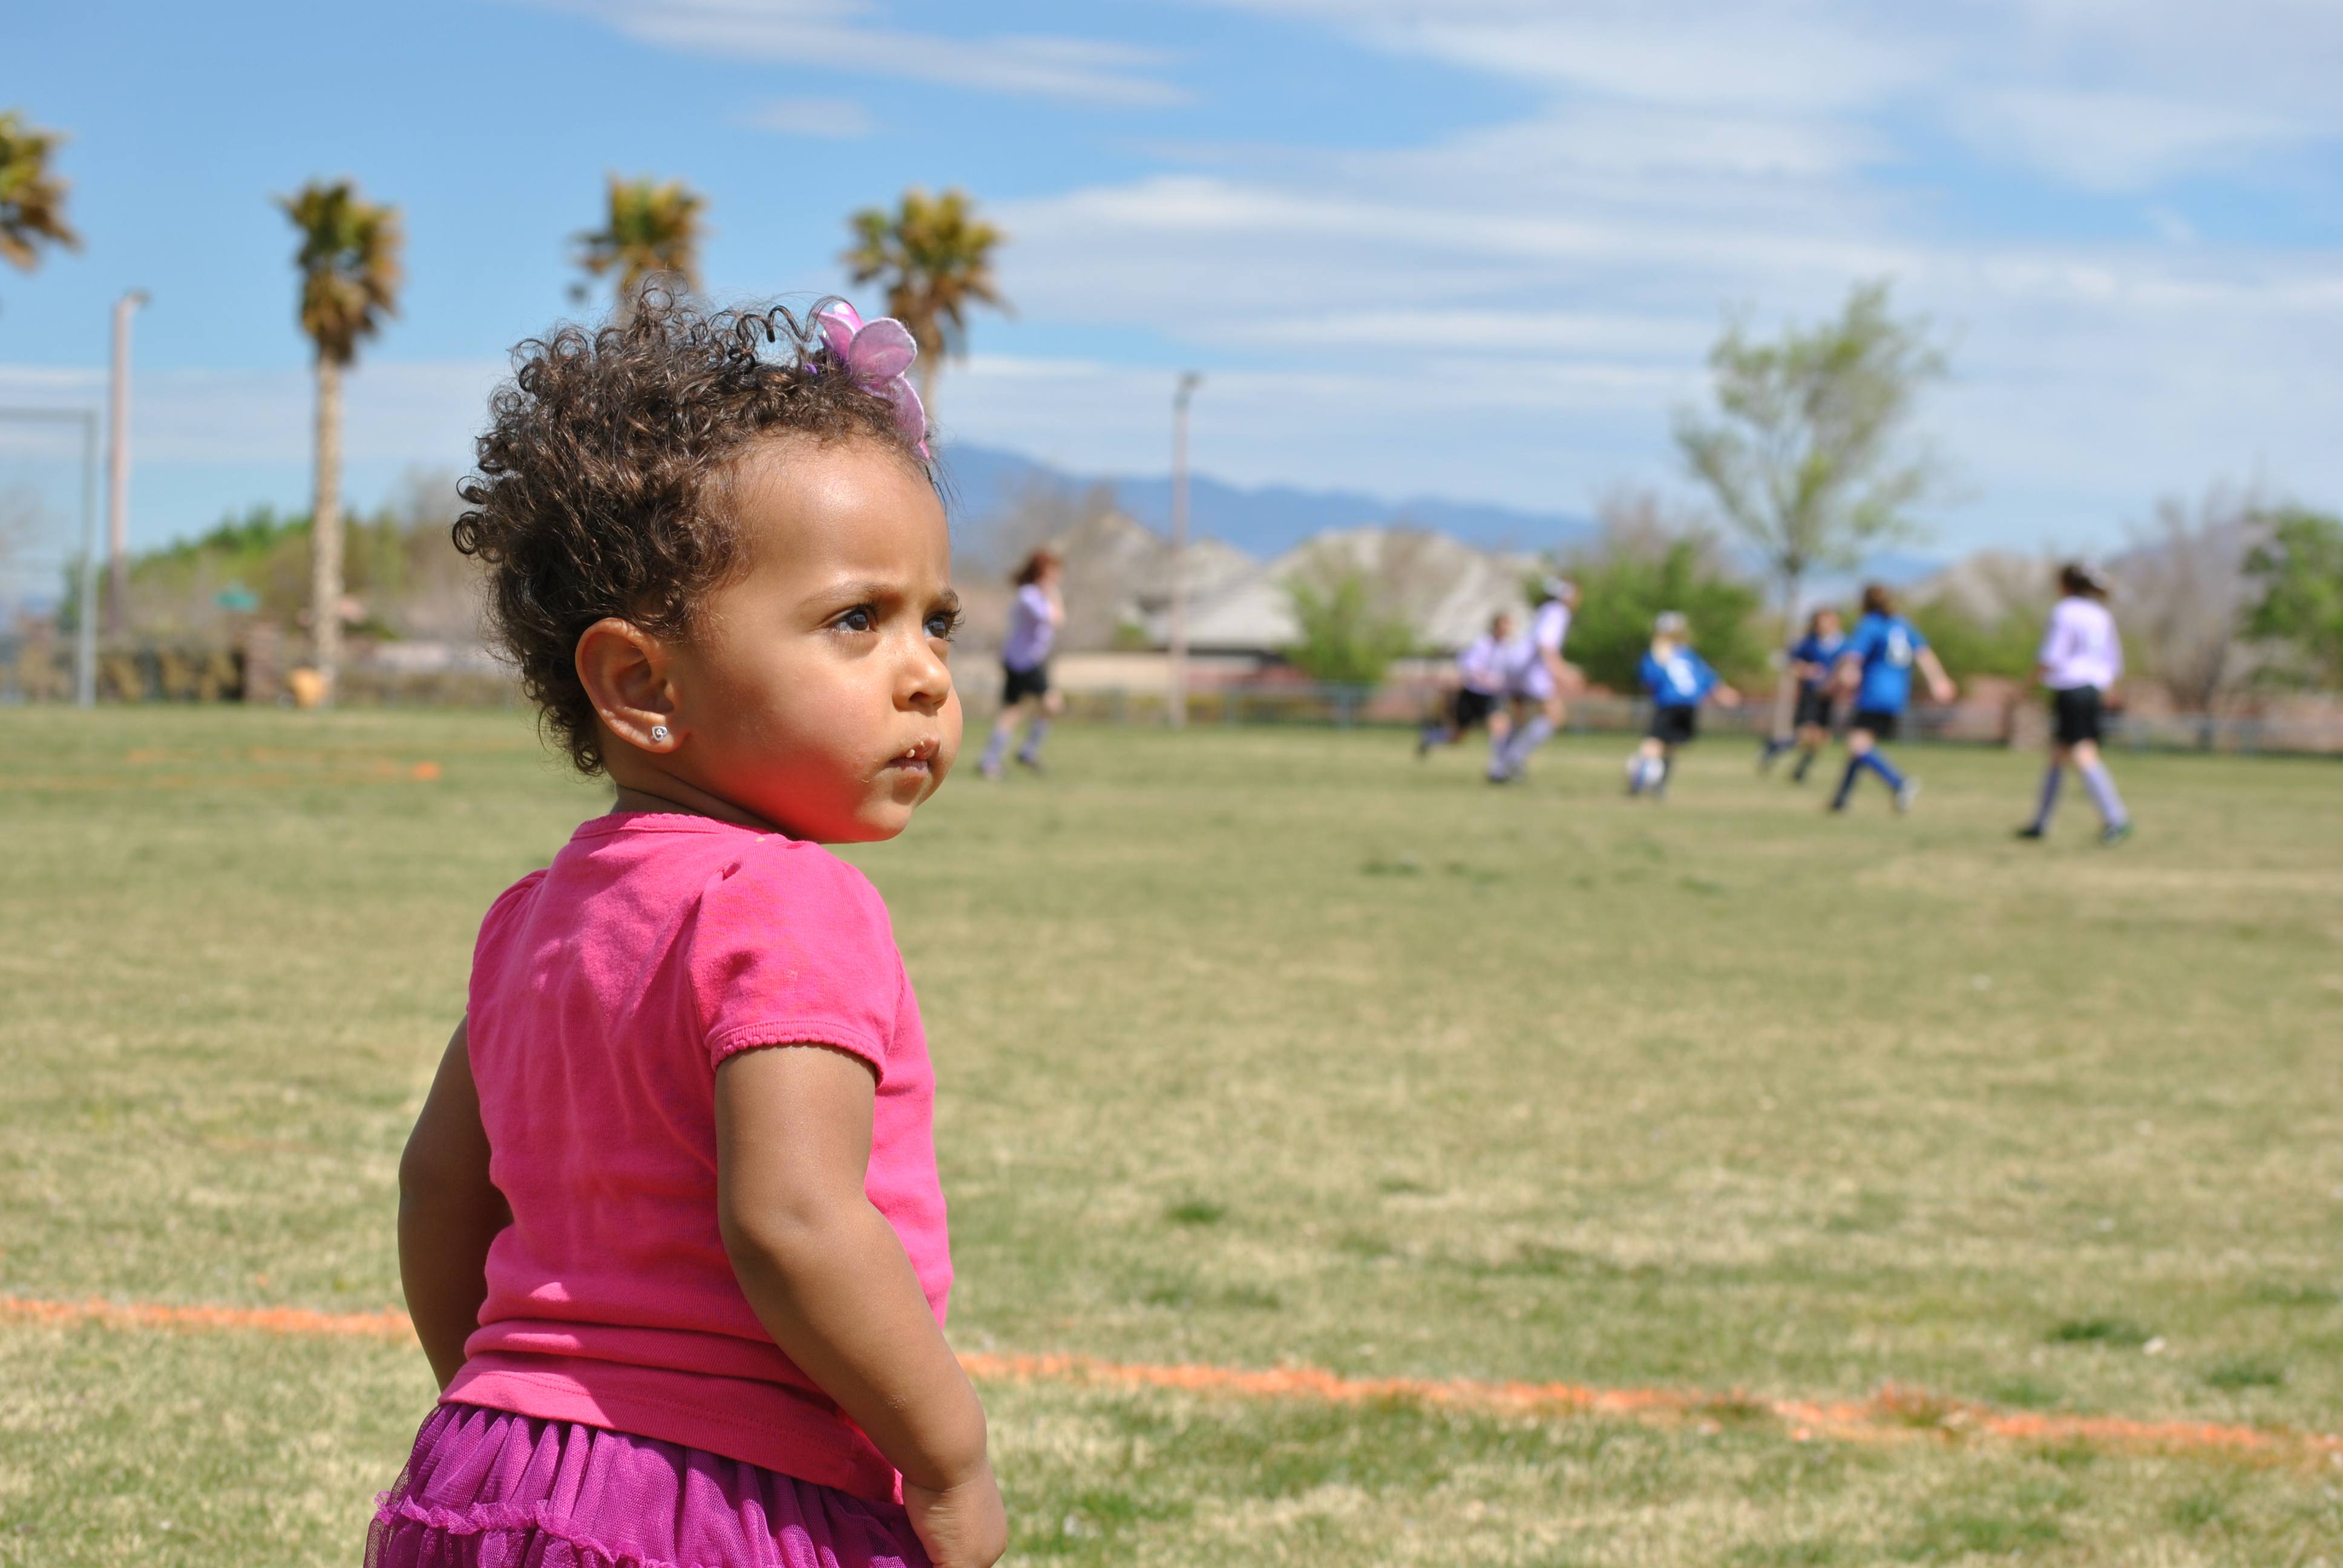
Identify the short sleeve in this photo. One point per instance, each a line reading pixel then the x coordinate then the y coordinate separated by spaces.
pixel 792 946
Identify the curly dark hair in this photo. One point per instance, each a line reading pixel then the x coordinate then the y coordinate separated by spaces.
pixel 603 477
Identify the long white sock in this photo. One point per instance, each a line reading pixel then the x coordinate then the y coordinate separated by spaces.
pixel 2049 797
pixel 1527 739
pixel 2102 786
pixel 1034 736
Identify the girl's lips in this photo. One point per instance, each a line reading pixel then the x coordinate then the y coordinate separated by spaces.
pixel 915 760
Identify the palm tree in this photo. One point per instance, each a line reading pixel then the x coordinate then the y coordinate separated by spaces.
pixel 936 257
pixel 32 200
pixel 349 262
pixel 652 229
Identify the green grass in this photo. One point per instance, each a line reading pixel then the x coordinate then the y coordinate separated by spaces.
pixel 1269 1045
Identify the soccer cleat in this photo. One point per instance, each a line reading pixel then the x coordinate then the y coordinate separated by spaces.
pixel 2031 831
pixel 1905 794
pixel 1033 762
pixel 2114 834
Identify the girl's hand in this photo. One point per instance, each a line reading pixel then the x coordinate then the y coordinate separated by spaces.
pixel 962 1526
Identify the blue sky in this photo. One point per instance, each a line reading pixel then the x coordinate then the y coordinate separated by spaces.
pixel 1475 249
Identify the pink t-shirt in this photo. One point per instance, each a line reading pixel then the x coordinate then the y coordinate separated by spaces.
pixel 605 991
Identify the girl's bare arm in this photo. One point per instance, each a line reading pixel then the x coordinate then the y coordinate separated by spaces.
pixel 449 1213
pixel 830 1281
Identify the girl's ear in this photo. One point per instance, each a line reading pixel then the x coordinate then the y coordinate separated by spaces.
pixel 624 672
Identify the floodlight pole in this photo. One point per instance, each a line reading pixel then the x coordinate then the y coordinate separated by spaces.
pixel 1177 711
pixel 117 476
pixel 85 628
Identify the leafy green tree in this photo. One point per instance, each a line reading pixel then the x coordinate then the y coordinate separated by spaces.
pixel 1969 645
pixel 650 227
pixel 2298 571
pixel 1347 638
pixel 1638 571
pixel 32 197
pixel 1807 453
pixel 349 261
pixel 935 256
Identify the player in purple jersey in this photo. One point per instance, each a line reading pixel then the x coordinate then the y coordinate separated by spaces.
pixel 1034 616
pixel 1536 678
pixel 1479 690
pixel 2080 661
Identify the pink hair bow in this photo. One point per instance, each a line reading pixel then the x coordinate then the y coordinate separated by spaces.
pixel 878 355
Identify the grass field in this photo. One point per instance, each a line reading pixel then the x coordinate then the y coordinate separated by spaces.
pixel 1269 1047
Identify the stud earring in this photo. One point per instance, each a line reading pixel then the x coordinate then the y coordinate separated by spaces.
pixel 658 734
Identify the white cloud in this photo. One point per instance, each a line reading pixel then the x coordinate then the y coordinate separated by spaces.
pixel 394 411
pixel 831 120
pixel 2114 140
pixel 2101 93
pixel 852 37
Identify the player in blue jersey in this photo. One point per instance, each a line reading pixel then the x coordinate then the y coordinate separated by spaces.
pixel 1876 665
pixel 1813 664
pixel 1678 680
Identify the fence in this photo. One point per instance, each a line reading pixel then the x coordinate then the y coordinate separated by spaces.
pixel 38 666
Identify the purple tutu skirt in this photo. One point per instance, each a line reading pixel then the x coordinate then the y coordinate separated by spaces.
pixel 489 1489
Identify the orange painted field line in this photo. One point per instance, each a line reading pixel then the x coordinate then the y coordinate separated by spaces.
pixel 1896 1413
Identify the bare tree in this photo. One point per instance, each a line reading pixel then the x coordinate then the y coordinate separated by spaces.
pixel 2180 592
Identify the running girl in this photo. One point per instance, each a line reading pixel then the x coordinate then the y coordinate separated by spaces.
pixel 2080 661
pixel 1480 686
pixel 670 1224
pixel 1034 616
pixel 1876 665
pixel 1814 660
pixel 1678 680
pixel 1536 678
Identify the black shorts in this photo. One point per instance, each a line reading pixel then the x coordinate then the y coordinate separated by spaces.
pixel 1879 723
pixel 1471 708
pixel 1814 708
pixel 2076 713
pixel 1017 685
pixel 1674 726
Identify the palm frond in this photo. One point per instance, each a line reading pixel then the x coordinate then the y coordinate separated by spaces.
pixel 349 258
pixel 32 196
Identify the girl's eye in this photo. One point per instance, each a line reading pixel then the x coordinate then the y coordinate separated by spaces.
pixel 943 623
pixel 858 618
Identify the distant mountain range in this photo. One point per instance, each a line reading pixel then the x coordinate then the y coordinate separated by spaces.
pixel 1264 521
pixel 1268 520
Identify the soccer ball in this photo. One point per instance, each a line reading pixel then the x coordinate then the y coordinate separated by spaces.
pixel 1642 773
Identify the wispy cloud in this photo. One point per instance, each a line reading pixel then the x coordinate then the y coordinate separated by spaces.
pixel 853 37
pixel 833 119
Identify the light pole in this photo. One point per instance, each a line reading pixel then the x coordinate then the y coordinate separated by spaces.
pixel 1178 709
pixel 117 469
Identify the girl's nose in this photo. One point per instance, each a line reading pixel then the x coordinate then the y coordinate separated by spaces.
pixel 924 680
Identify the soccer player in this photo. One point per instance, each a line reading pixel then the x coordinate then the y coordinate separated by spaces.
pixel 1479 687
pixel 1679 680
pixel 1536 680
pixel 1876 665
pixel 2081 659
pixel 1813 659
pixel 1034 616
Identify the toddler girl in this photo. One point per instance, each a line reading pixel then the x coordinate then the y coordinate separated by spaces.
pixel 670 1224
